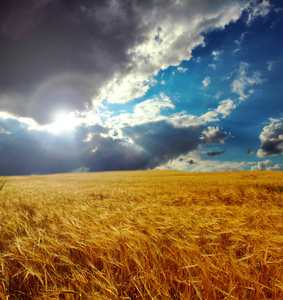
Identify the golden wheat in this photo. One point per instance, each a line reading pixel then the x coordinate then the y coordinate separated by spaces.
pixel 142 235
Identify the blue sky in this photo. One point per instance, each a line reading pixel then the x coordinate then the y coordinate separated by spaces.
pixel 117 85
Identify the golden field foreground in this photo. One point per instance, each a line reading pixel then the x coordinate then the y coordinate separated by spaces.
pixel 142 235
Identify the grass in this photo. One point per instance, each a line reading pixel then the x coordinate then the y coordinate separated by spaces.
pixel 142 235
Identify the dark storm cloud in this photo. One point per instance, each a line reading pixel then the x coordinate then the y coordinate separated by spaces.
pixel 215 153
pixel 44 60
pixel 56 54
pixel 153 144
pixel 272 147
pixel 162 141
pixel 24 151
pixel 113 154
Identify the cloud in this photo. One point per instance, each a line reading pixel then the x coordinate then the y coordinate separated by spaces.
pixel 263 165
pixel 25 151
pixel 206 82
pixel 150 145
pixel 96 50
pixel 193 162
pixel 240 40
pixel 244 80
pixel 214 153
pixel 225 107
pixel 144 112
pixel 270 65
pixel 250 151
pixel 218 166
pixel 161 108
pixel 149 56
pixel 182 163
pixel 46 61
pixel 183 119
pixel 258 9
pixel 216 55
pixel 116 154
pixel 173 22
pixel 213 135
pixel 21 17
pixel 271 138
pixel 96 148
pixel 277 167
pixel 182 70
pixel 78 56
pixel 162 141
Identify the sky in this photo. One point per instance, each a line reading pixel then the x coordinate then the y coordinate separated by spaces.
pixel 90 85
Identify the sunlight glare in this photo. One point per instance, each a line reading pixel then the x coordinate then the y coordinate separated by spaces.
pixel 63 122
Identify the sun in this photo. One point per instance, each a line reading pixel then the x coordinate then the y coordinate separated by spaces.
pixel 63 122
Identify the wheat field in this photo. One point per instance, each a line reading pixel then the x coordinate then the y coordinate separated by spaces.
pixel 142 235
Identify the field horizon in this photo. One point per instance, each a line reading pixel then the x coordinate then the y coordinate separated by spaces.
pixel 155 234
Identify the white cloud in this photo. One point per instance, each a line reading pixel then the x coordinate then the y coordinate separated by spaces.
pixel 270 65
pixel 277 167
pixel 258 9
pixel 144 112
pixel 218 166
pixel 30 123
pixel 180 25
pixel 3 131
pixel 218 94
pixel 152 108
pixel 123 89
pixel 244 80
pixel 240 40
pixel 192 162
pixel 210 116
pixel 206 82
pixel 182 70
pixel 271 138
pixel 152 111
pixel 216 55
pixel 182 163
pixel 213 66
pixel 183 119
pixel 263 165
pixel 225 107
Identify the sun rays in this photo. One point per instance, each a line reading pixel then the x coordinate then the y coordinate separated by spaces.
pixel 63 122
